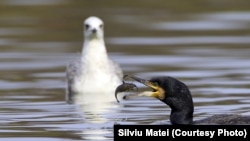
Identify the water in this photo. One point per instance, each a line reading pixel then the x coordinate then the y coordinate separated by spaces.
pixel 205 44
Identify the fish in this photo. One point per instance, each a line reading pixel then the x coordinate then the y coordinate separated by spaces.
pixel 124 87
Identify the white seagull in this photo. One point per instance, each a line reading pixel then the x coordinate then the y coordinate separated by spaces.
pixel 93 77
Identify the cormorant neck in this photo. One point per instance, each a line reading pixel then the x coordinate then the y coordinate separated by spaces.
pixel 181 110
pixel 181 117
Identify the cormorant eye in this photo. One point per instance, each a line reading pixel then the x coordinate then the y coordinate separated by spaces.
pixel 86 26
pixel 155 84
pixel 101 26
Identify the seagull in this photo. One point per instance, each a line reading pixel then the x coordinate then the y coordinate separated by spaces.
pixel 92 77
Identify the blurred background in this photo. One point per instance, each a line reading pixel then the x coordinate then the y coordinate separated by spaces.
pixel 204 43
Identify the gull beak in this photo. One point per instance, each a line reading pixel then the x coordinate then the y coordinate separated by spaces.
pixel 157 91
pixel 94 31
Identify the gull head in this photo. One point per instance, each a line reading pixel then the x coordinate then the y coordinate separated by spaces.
pixel 93 28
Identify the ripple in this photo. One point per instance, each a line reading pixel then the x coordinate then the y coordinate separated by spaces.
pixel 34 2
pixel 199 25
pixel 149 41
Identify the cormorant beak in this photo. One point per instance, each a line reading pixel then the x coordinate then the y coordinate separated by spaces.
pixel 157 91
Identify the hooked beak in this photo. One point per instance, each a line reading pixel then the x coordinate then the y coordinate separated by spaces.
pixel 157 91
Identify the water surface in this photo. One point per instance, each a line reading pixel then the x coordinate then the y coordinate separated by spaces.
pixel 204 44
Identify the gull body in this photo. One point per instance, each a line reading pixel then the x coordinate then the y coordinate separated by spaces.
pixel 93 77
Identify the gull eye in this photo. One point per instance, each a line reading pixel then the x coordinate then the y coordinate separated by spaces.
pixel 86 26
pixel 101 26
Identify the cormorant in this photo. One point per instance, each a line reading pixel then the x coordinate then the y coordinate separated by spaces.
pixel 177 96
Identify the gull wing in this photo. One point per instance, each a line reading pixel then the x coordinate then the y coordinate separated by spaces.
pixel 72 69
pixel 117 69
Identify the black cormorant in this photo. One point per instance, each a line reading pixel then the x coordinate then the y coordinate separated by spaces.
pixel 178 97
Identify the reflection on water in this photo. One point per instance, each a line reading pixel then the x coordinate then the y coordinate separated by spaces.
pixel 213 21
pixel 205 48
pixel 146 41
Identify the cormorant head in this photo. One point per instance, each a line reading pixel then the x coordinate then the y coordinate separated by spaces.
pixel 93 28
pixel 172 92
